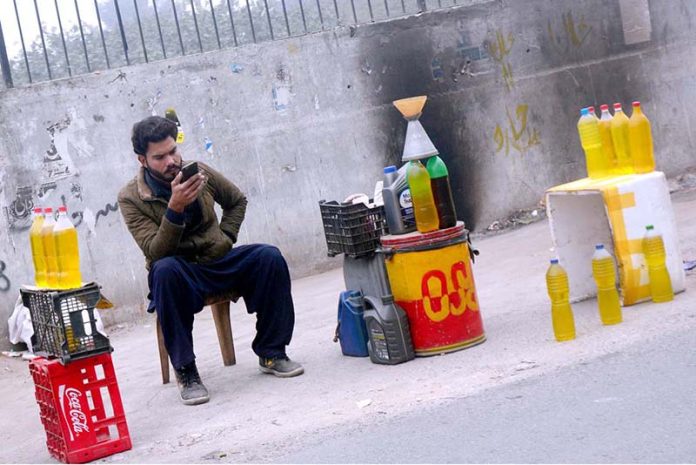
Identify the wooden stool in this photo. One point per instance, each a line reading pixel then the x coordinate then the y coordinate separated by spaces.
pixel 220 306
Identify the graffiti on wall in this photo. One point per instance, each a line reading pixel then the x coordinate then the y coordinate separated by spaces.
pixel 5 283
pixel 517 133
pixel 500 49
pixel 571 34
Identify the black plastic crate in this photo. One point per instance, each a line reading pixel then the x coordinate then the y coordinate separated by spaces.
pixel 352 229
pixel 64 322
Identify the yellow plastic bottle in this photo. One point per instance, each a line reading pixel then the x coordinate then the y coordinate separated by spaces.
pixel 424 207
pixel 608 153
pixel 604 275
pixel 655 256
pixel 67 251
pixel 49 247
pixel 622 147
pixel 37 249
pixel 588 129
pixel 641 141
pixel 559 292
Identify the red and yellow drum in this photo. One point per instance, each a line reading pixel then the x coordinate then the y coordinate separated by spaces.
pixel 431 279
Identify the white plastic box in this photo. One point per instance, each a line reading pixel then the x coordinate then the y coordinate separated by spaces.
pixel 613 211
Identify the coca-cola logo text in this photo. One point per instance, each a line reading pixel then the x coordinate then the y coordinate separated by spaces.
pixel 75 415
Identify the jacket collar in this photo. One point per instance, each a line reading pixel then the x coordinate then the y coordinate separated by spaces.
pixel 144 190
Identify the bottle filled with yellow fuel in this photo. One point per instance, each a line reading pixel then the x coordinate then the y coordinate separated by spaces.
pixel 67 251
pixel 655 257
pixel 604 273
pixel 37 249
pixel 559 292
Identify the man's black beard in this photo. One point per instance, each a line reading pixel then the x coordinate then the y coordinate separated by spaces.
pixel 158 177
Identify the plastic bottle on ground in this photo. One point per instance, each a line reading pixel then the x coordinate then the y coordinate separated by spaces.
pixel 641 142
pixel 559 292
pixel 442 192
pixel 588 129
pixel 655 257
pixel 622 147
pixel 608 153
pixel 49 246
pixel 422 197
pixel 604 273
pixel 67 251
pixel 37 249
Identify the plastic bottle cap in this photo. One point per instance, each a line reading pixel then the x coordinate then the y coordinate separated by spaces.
pixel 389 169
pixel 590 109
pixel 599 246
pixel 584 112
pixel 636 103
pixel 554 261
pixel 604 107
pixel 48 210
pixel 62 209
pixel 650 227
pixel 617 106
pixel 38 210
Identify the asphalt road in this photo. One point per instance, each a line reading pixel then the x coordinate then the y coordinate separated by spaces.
pixel 635 406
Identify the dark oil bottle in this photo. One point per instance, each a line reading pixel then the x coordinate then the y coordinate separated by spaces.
pixel 442 192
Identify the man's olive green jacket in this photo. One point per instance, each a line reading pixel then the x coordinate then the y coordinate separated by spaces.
pixel 158 237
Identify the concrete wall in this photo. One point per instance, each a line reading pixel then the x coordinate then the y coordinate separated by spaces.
pixel 304 119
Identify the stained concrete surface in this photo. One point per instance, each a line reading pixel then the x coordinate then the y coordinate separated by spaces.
pixel 258 418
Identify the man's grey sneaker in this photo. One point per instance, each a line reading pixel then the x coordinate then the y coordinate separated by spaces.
pixel 191 389
pixel 282 367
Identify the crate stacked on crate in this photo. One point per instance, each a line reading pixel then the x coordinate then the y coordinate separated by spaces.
pixel 74 378
pixel 352 229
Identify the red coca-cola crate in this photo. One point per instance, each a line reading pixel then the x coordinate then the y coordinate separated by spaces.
pixel 80 407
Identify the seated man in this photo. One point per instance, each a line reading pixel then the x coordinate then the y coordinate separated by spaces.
pixel 189 255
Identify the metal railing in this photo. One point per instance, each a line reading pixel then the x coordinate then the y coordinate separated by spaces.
pixel 51 39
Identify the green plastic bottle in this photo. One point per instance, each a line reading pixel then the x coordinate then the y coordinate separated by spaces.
pixel 442 192
pixel 422 197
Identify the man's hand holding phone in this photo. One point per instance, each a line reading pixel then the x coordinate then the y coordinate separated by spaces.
pixel 186 186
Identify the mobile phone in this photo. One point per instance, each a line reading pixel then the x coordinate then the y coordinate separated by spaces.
pixel 188 170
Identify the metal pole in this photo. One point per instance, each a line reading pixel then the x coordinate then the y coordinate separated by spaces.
pixel 386 7
pixel 268 17
pixel 321 17
pixel 178 29
pixel 195 23
pixel 140 28
pixel 5 62
pixel 101 33
pixel 21 39
pixel 369 7
pixel 62 38
pixel 421 5
pixel 159 28
pixel 355 16
pixel 234 31
pixel 336 9
pixel 251 21
pixel 403 7
pixel 304 20
pixel 217 33
pixel 43 41
pixel 285 15
pixel 123 32
pixel 82 36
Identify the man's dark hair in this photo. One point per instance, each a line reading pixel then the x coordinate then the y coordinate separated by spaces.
pixel 151 129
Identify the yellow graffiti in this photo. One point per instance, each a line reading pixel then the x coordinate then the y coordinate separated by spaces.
pixel 575 33
pixel 517 134
pixel 499 50
pixel 501 47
